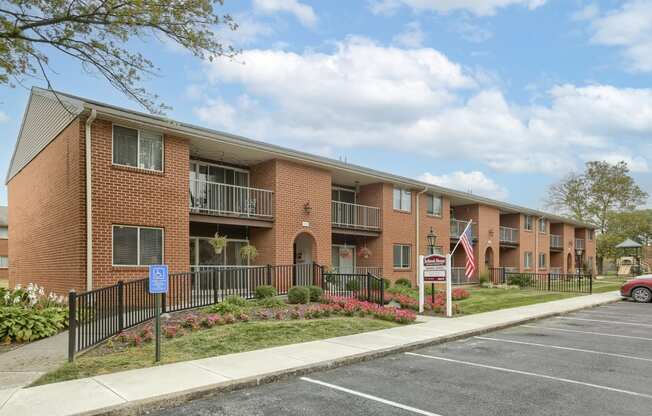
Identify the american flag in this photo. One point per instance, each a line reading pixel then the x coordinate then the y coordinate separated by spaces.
pixel 465 240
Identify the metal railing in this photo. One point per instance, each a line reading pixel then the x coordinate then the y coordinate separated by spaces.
pixel 458 226
pixel 552 282
pixel 555 270
pixel 215 198
pixel 556 241
pixel 458 276
pixel 375 270
pixel 579 244
pixel 508 235
pixel 360 286
pixel 347 215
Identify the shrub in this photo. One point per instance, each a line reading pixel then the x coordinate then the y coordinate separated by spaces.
pixel 388 283
pixel 315 293
pixel 298 294
pixel 236 300
pixel 353 285
pixel 224 308
pixel 483 278
pixel 265 291
pixel 459 294
pixel 402 290
pixel 270 303
pixel 520 280
pixel 31 296
pixel 403 282
pixel 23 325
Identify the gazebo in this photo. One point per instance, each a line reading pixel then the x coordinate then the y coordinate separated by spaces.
pixel 630 259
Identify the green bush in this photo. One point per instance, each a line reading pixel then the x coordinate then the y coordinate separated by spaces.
pixel 521 280
pixel 402 290
pixel 236 301
pixel 315 293
pixel 353 285
pixel 388 283
pixel 483 278
pixel 23 325
pixel 270 303
pixel 403 282
pixel 225 307
pixel 265 291
pixel 298 295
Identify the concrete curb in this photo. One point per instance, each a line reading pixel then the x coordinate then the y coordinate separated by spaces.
pixel 169 400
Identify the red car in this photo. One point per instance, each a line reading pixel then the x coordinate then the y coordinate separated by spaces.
pixel 639 289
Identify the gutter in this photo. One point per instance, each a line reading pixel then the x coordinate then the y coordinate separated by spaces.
pixel 417 254
pixel 89 203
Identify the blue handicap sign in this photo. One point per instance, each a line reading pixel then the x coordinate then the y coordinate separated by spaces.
pixel 158 278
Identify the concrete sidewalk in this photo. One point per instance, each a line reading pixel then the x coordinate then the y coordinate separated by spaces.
pixel 129 391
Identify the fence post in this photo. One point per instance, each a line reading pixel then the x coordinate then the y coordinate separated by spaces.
pixel 323 278
pixel 548 282
pixel 368 287
pixel 314 273
pixel 269 274
pixel 121 305
pixel 590 284
pixel 382 291
pixel 72 325
pixel 214 277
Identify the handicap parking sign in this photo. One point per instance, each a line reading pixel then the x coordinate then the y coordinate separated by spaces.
pixel 158 278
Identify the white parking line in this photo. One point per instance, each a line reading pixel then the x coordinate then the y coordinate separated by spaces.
pixel 370 397
pixel 586 332
pixel 603 321
pixel 527 373
pixel 615 315
pixel 559 347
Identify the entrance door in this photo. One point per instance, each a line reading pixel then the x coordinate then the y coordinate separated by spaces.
pixel 344 259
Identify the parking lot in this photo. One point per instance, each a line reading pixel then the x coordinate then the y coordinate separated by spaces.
pixel 593 362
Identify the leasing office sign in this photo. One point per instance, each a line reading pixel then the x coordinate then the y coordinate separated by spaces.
pixel 434 268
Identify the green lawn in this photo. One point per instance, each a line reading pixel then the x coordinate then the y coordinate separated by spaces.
pixel 608 284
pixel 219 340
pixel 485 300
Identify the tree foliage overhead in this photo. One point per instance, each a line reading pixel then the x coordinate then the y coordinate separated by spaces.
pixel 590 196
pixel 635 225
pixel 96 33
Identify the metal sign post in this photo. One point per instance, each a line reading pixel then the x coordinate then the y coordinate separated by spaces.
pixel 434 268
pixel 449 286
pixel 158 284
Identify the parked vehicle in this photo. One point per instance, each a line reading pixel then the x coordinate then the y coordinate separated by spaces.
pixel 639 289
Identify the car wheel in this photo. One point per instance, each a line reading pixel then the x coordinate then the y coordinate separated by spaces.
pixel 642 295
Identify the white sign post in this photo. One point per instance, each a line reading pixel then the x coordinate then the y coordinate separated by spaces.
pixel 435 268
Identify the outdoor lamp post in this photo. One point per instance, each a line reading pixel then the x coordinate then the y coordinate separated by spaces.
pixel 431 238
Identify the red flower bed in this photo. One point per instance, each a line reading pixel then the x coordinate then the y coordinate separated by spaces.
pixel 351 307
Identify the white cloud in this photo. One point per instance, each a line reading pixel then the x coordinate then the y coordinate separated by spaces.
pixel 476 7
pixel 472 32
pixel 249 31
pixel 630 28
pixel 4 118
pixel 411 37
pixel 588 12
pixel 474 181
pixel 369 96
pixel 304 13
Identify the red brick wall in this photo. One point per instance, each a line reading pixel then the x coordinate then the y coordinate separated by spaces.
pixel 128 196
pixel 47 216
pixel 263 176
pixel 398 228
pixel 487 223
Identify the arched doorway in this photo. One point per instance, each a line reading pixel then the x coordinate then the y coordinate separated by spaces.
pixel 304 250
pixel 489 258
pixel 569 263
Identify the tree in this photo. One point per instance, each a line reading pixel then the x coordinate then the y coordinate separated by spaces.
pixel 96 32
pixel 635 225
pixel 591 196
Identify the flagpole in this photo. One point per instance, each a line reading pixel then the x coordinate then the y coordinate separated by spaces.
pixel 449 274
pixel 458 240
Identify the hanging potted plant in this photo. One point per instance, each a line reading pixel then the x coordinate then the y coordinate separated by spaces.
pixel 345 253
pixel 364 253
pixel 218 242
pixel 248 252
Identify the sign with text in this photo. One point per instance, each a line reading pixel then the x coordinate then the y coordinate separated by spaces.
pixel 158 278
pixel 434 268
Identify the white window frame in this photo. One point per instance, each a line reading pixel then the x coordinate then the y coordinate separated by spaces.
pixel 409 266
pixel 195 241
pixel 527 260
pixel 349 190
pixel 542 222
pixel 7 262
pixel 113 162
pixel 542 256
pixel 217 165
pixel 138 244
pixel 525 223
pixel 402 191
pixel 441 205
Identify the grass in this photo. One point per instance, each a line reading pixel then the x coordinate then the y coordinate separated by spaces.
pixel 220 340
pixel 608 284
pixel 486 300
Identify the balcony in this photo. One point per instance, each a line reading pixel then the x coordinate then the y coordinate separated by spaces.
pixel 220 199
pixel 458 226
pixel 355 216
pixel 556 242
pixel 508 236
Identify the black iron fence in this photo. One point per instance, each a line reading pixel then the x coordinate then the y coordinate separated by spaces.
pixel 102 313
pixel 552 282
pixel 360 286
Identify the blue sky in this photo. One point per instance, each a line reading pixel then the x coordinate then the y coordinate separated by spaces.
pixel 496 97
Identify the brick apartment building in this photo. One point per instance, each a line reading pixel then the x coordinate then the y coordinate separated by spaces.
pixel 97 192
pixel 4 247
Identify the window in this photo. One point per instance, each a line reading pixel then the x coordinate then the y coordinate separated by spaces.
pixel 401 256
pixel 138 149
pixel 434 205
pixel 527 259
pixel 343 195
pixel 402 200
pixel 137 246
pixel 4 262
pixel 202 253
pixel 4 232
pixel 528 223
pixel 590 235
pixel 543 225
pixel 435 250
pixel 542 260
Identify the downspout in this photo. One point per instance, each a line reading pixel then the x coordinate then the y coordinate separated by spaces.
pixel 89 204
pixel 418 253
